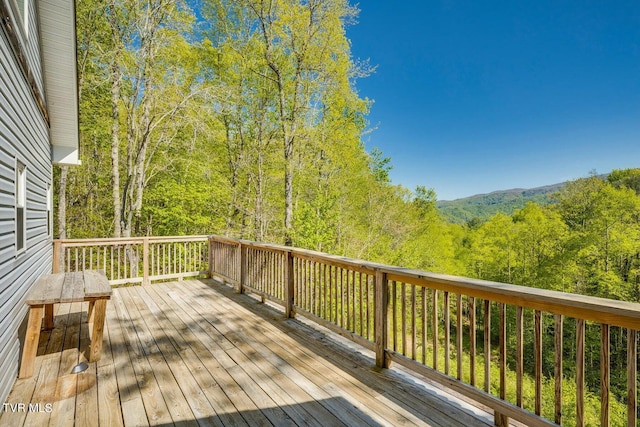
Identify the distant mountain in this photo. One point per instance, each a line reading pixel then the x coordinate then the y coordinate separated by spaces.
pixel 484 206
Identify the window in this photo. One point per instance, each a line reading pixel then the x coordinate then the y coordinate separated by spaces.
pixel 21 203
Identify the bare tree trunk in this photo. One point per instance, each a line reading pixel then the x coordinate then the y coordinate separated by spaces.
pixel 62 203
pixel 138 133
pixel 259 216
pixel 232 157
pixel 287 123
pixel 288 192
pixel 115 148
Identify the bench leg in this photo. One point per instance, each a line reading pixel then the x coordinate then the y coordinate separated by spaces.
pixel 48 317
pixel 31 341
pixel 90 314
pixel 98 314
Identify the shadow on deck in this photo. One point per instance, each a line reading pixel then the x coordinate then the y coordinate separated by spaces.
pixel 196 353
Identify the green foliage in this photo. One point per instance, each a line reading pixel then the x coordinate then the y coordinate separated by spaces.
pixel 380 166
pixel 629 178
pixel 588 242
pixel 481 207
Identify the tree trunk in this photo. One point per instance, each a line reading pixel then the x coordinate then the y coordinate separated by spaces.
pixel 115 148
pixel 62 203
pixel 288 192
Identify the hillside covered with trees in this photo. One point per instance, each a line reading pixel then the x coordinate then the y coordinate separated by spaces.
pixel 481 207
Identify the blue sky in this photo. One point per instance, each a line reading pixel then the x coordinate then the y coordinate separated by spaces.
pixel 476 96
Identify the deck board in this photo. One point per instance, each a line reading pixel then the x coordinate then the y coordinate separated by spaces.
pixel 196 353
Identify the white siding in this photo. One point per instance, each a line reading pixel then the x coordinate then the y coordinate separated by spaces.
pixel 33 47
pixel 23 135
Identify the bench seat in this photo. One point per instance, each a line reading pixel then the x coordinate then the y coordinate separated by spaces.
pixel 91 286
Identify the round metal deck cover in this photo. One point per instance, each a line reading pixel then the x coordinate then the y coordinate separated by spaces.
pixel 80 367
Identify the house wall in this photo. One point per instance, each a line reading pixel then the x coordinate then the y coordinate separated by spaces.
pixel 24 136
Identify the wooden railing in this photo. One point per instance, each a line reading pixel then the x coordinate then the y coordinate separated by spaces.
pixel 434 325
pixel 135 260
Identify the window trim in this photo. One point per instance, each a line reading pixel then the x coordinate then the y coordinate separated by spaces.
pixel 20 203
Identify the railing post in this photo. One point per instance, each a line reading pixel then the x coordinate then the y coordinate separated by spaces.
pixel 632 377
pixel 211 266
pixel 243 267
pixel 145 261
pixel 289 284
pixel 57 247
pixel 381 307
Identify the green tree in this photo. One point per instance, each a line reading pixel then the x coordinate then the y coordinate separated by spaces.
pixel 540 240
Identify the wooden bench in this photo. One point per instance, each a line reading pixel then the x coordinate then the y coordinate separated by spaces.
pixel 91 286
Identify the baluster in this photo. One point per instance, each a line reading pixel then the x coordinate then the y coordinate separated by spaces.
pixel 361 298
pixel 369 299
pixel 320 287
pixel 262 275
pixel 315 296
pixel 538 361
pixel 434 325
pixel 309 286
pixel 176 258
pixel 558 369
pixel 472 341
pixel 519 354
pixel 275 273
pixel 185 251
pixel 487 345
pixel 301 288
pixel 413 322
pixel 501 419
pixel 341 297
pixel 632 377
pixel 299 284
pixel 351 319
pixel 423 294
pixel 604 374
pixel 394 315
pixel 459 336
pixel 333 305
pixel 354 305
pixel 580 372
pixel 403 313
pixel 325 299
pixel 290 294
pixel 447 332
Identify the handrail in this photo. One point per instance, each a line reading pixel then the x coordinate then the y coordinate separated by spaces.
pixel 437 325
pixel 135 259
pixel 405 315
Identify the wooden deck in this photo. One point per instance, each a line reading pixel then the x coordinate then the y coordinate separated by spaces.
pixel 195 353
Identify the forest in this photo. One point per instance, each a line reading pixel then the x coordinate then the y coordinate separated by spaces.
pixel 243 119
